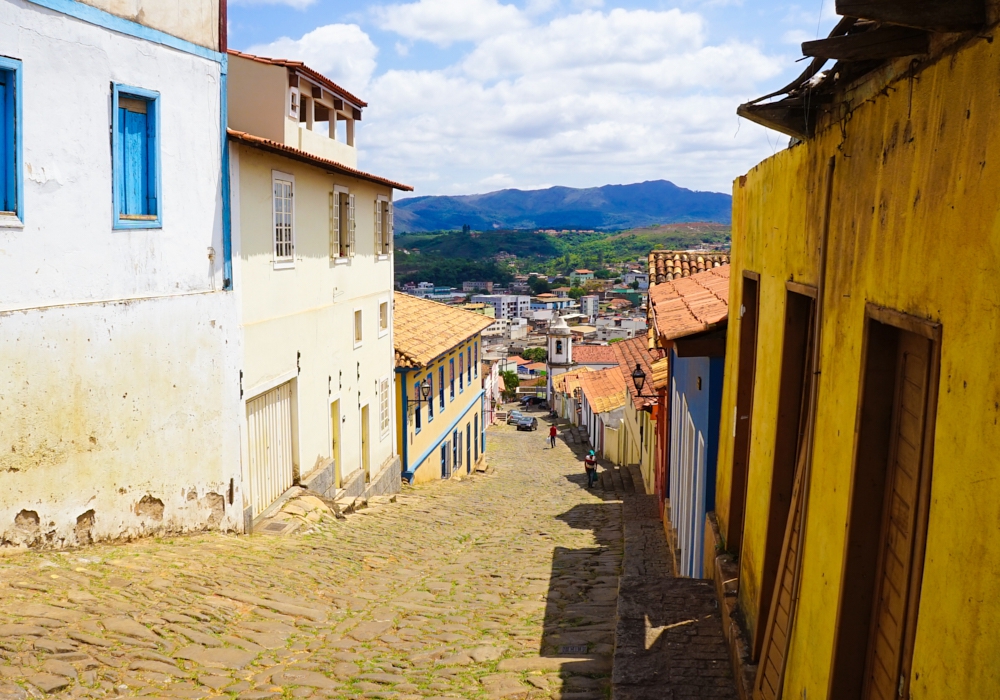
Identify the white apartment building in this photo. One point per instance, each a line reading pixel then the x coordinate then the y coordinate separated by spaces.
pixel 119 335
pixel 507 306
pixel 590 306
pixel 314 275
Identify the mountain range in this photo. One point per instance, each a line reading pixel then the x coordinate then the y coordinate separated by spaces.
pixel 599 208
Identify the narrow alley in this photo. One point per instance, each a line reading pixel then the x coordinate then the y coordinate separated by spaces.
pixel 503 584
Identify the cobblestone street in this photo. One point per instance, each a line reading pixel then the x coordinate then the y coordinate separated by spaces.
pixel 500 585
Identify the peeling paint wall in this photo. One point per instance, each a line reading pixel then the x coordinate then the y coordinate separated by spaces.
pixel 196 21
pixel 916 228
pixel 119 398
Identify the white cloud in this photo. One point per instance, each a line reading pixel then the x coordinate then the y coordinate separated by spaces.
pixel 797 36
pixel 443 22
pixel 297 4
pixel 583 99
pixel 342 52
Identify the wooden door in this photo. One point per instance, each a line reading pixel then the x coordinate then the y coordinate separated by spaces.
pixel 269 433
pixel 885 677
pixel 335 441
pixel 747 369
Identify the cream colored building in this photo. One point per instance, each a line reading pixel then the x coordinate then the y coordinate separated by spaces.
pixel 313 271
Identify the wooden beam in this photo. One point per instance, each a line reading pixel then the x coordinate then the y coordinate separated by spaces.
pixel 875 44
pixel 935 15
pixel 792 121
pixel 711 344
pixel 357 114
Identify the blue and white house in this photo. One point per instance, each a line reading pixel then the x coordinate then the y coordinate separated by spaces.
pixel 119 336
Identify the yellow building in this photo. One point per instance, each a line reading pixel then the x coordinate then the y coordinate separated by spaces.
pixel 857 472
pixel 439 391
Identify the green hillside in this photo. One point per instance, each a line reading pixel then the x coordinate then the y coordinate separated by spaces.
pixel 451 257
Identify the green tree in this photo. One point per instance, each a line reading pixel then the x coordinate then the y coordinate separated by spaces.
pixel 510 384
pixel 539 285
pixel 535 354
pixel 576 292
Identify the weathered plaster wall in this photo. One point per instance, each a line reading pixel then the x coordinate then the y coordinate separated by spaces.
pixel 299 322
pixel 120 386
pixel 915 227
pixel 196 21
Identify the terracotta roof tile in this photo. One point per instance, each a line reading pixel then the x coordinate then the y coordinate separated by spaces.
pixel 566 382
pixel 668 265
pixel 593 354
pixel 690 305
pixel 636 352
pixel 605 389
pixel 423 330
pixel 296 154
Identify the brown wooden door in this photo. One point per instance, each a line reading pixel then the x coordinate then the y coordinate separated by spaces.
pixel 742 432
pixel 885 678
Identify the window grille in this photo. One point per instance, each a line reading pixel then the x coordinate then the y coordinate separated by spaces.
pixel 284 248
pixel 384 407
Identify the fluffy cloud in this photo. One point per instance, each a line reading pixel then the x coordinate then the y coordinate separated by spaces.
pixel 342 52
pixel 583 99
pixel 444 22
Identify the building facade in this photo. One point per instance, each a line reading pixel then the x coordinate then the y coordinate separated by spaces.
pixel 114 230
pixel 440 404
pixel 860 420
pixel 505 306
pixel 314 275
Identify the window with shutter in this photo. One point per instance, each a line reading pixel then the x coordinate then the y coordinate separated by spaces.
pixel 11 176
pixel 283 213
pixel 384 407
pixel 334 224
pixel 135 134
pixel 378 227
pixel 390 230
pixel 351 225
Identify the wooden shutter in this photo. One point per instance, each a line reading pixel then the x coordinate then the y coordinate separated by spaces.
pixel 390 230
pixel 350 224
pixel 136 163
pixel 334 224
pixel 269 433
pixel 886 677
pixel 378 228
pixel 7 202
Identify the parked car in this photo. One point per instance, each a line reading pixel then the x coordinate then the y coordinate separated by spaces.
pixel 527 423
pixel 533 401
pixel 514 417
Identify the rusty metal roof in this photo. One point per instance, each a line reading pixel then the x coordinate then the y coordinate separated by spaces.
pixel 690 305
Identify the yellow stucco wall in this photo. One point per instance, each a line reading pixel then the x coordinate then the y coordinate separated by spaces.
pixel 458 412
pixel 915 227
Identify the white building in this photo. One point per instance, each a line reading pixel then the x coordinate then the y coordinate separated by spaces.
pixel 119 338
pixel 314 277
pixel 590 306
pixel 633 276
pixel 507 306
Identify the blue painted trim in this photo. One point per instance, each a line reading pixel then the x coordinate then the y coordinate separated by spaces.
pixel 14 66
pixel 408 474
pixel 227 216
pixel 92 15
pixel 406 399
pixel 153 110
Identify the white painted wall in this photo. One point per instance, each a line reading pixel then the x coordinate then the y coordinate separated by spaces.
pixel 120 357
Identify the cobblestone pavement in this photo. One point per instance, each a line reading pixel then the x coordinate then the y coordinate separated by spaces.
pixel 498 586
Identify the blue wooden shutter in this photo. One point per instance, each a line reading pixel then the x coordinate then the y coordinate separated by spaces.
pixel 6 152
pixel 136 162
pixel 150 153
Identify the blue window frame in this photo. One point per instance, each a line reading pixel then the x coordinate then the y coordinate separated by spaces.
pixel 476 357
pixel 416 411
pixel 430 397
pixel 444 460
pixel 441 384
pixel 475 432
pixel 136 158
pixel 454 449
pixel 11 148
pixel 469 365
pixel 451 377
pixel 461 372
pixel 468 448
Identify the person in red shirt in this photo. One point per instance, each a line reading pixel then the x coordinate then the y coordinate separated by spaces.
pixel 553 431
pixel 590 464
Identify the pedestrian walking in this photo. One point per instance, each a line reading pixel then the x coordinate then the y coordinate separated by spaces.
pixel 552 435
pixel 590 464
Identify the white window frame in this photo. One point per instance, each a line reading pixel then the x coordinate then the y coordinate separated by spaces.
pixel 356 327
pixel 382 332
pixel 385 407
pixel 294 103
pixel 338 230
pixel 384 227
pixel 283 263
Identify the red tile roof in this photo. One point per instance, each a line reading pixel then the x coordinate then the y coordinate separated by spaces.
pixel 690 305
pixel 301 156
pixel 630 353
pixel 605 390
pixel 299 65
pixel 594 355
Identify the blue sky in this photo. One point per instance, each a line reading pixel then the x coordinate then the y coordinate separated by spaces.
pixel 471 96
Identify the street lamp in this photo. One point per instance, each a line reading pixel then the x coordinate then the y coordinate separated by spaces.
pixel 425 389
pixel 639 379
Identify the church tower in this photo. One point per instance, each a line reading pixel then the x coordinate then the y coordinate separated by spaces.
pixel 560 351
